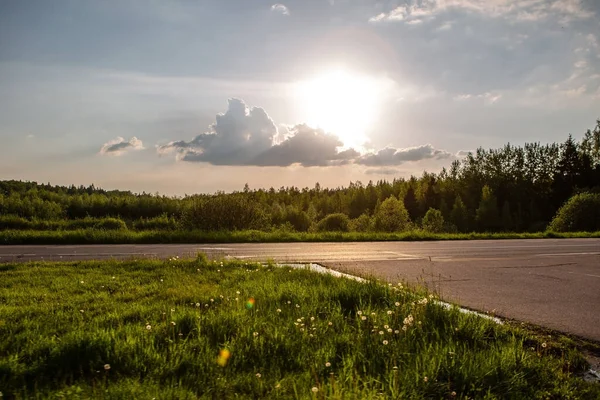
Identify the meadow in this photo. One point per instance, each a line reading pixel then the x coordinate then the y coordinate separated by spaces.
pixel 187 329
pixel 102 236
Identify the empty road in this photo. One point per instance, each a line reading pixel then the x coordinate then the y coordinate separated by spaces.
pixel 549 282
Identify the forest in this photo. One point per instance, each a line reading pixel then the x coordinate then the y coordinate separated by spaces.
pixel 530 188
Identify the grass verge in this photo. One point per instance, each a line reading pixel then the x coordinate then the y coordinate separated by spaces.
pixel 200 329
pixel 96 236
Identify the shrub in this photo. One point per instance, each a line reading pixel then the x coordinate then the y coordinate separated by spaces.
pixel 334 222
pixel 14 222
pixel 111 224
pixel 163 222
pixel 364 223
pixel 433 221
pixel 580 213
pixel 392 216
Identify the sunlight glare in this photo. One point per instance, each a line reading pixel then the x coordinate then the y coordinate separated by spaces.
pixel 342 103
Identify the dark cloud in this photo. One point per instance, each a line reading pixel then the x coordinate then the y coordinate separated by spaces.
pixel 392 156
pixel 119 146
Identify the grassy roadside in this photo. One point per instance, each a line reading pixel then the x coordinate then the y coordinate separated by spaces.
pixel 198 329
pixel 95 236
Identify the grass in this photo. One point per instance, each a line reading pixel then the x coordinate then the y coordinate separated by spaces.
pixel 155 329
pixel 97 236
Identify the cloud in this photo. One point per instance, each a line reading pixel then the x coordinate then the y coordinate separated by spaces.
pixel 382 171
pixel 564 11
pixel 280 8
pixel 119 146
pixel 392 156
pixel 464 153
pixel 248 136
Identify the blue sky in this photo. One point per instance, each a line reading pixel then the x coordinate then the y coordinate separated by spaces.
pixel 185 96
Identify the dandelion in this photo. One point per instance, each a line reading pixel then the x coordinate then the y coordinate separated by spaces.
pixel 389 330
pixel 359 312
pixel 180 334
pixel 381 332
pixel 206 305
pixel 148 327
pixel 373 314
pixel 397 304
pixel 106 367
pixel 81 311
pixel 236 299
pixel 299 320
pixel 81 282
pixel 114 277
pixel 453 394
pixel 161 280
pixel 312 318
pixel 255 334
pixel 330 323
pixel 237 292
pixel 544 345
pixel 363 318
pixel 404 328
pixel 172 310
pixel 278 386
pixel 289 302
pixel 431 296
pixel 297 305
pixel 315 389
pixel 173 323
pixel 396 331
pixel 301 329
pixel 419 323
pixel 311 335
pixel 389 312
pixel 279 310
pixel 328 364
pixel 212 300
pixel 385 342
pixel 425 379
pixel 258 375
pixel 395 368
pixel 197 304
pixel 386 326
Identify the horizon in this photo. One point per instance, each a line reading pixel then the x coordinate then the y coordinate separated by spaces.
pixel 199 97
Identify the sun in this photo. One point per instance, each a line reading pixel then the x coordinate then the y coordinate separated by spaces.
pixel 342 103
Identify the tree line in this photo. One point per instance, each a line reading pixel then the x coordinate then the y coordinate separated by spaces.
pixel 513 188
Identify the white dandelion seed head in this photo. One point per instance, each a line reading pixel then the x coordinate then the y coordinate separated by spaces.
pixel 279 310
pixel 328 364
pixel 148 327
pixel 258 375
pixel 314 389
pixel 385 342
pixel 397 304
pixel 359 312
pixel 363 318
pixel 381 332
pixel 106 367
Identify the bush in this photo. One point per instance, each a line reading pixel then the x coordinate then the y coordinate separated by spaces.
pixel 14 222
pixel 580 213
pixel 392 216
pixel 334 222
pixel 364 223
pixel 111 224
pixel 164 222
pixel 433 221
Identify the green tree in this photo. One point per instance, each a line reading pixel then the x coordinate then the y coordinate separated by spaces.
pixel 392 216
pixel 487 213
pixel 459 215
pixel 433 221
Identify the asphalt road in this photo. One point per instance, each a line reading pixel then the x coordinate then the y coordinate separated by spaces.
pixel 551 282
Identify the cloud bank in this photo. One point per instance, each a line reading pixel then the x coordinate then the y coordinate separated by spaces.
pixel 244 136
pixel 120 146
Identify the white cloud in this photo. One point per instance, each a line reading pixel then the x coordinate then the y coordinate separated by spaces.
pixel 280 8
pixel 119 146
pixel 523 10
pixel 393 156
pixel 249 137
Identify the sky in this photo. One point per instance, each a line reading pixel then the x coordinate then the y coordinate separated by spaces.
pixel 197 96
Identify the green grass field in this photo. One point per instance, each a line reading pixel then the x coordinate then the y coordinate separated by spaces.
pixel 96 236
pixel 199 329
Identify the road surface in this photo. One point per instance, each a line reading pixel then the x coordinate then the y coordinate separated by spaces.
pixel 549 282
